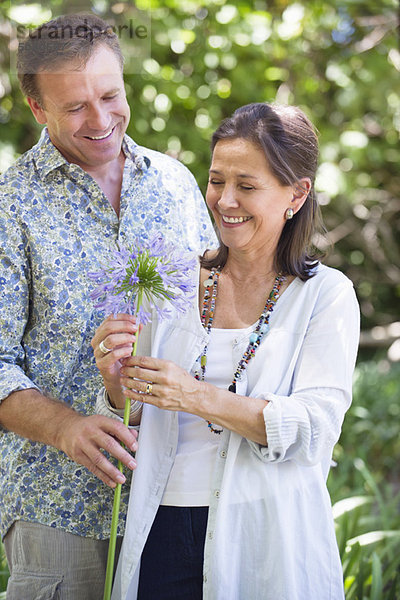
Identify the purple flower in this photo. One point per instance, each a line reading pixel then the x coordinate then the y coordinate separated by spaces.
pixel 156 245
pixel 155 271
pixel 143 316
pixel 134 278
pixel 162 313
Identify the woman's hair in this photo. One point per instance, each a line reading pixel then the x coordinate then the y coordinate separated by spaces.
pixel 69 38
pixel 290 145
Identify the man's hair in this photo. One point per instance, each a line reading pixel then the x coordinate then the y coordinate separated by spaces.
pixel 73 37
pixel 290 145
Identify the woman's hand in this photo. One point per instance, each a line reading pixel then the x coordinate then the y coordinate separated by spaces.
pixel 112 343
pixel 164 384
pixel 161 383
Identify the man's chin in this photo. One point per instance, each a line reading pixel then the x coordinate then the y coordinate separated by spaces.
pixel 101 158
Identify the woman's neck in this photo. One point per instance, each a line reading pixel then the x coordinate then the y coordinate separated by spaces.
pixel 243 287
pixel 242 268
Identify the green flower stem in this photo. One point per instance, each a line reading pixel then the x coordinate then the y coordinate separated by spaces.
pixel 117 492
pixel 112 543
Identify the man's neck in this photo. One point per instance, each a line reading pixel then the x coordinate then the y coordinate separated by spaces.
pixel 109 178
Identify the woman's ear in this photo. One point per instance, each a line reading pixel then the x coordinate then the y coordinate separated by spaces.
pixel 300 193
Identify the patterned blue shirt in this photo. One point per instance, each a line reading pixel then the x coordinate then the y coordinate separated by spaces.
pixel 55 227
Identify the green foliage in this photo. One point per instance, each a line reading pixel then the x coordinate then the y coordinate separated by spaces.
pixel 364 485
pixel 370 438
pixel 4 573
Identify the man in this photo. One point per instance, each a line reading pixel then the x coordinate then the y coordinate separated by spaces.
pixel 64 205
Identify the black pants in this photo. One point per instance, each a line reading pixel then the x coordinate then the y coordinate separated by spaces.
pixel 172 559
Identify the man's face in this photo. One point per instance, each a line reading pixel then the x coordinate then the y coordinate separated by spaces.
pixel 85 110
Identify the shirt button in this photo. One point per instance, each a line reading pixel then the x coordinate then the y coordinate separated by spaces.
pixel 205 578
pixel 223 454
pixel 216 493
pixel 210 535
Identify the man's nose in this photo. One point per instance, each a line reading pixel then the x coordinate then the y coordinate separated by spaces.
pixel 98 118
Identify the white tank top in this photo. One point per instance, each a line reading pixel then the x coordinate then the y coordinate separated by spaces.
pixel 189 483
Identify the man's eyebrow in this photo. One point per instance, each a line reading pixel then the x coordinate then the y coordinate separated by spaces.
pixel 78 102
pixel 71 104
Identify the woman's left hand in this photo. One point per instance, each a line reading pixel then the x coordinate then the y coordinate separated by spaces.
pixel 161 383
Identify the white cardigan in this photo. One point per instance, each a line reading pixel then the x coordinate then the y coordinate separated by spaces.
pixel 270 533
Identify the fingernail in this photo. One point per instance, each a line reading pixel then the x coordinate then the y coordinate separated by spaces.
pixel 121 478
pixel 132 464
pixel 134 446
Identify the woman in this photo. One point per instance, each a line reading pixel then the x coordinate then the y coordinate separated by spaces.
pixel 229 499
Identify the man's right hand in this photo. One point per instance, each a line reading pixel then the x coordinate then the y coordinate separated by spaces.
pixel 32 415
pixel 84 437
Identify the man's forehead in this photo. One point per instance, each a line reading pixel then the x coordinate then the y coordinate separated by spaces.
pixel 102 62
pixel 72 75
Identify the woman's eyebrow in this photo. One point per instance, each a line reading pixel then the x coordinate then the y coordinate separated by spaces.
pixel 247 175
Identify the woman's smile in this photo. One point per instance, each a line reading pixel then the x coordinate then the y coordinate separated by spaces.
pixel 234 220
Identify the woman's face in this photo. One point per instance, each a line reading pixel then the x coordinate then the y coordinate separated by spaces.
pixel 247 201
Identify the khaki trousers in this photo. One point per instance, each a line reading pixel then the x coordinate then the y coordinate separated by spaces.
pixel 51 564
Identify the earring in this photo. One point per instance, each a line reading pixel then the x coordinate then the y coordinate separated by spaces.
pixel 289 214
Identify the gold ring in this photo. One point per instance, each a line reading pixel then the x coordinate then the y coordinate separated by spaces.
pixel 149 388
pixel 103 348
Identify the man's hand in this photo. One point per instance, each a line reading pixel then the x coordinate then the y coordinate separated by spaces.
pixel 41 419
pixel 83 439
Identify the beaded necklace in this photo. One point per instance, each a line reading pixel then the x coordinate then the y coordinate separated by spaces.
pixel 262 327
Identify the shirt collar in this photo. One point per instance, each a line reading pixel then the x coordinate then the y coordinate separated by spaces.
pixel 47 158
pixel 136 153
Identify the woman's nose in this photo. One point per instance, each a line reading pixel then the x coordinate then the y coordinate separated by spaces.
pixel 228 198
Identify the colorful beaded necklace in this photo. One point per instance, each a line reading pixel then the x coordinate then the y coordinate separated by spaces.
pixel 262 327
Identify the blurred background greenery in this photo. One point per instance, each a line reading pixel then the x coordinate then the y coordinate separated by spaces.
pixel 190 63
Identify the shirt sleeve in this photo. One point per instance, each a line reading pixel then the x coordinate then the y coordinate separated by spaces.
pixel 305 425
pixel 103 408
pixel 15 285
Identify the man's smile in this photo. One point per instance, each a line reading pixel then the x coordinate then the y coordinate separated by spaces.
pixel 100 137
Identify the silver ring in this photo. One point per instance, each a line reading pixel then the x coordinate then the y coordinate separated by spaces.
pixel 149 388
pixel 104 348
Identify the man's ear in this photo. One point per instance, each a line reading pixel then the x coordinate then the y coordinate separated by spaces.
pixel 38 111
pixel 300 193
